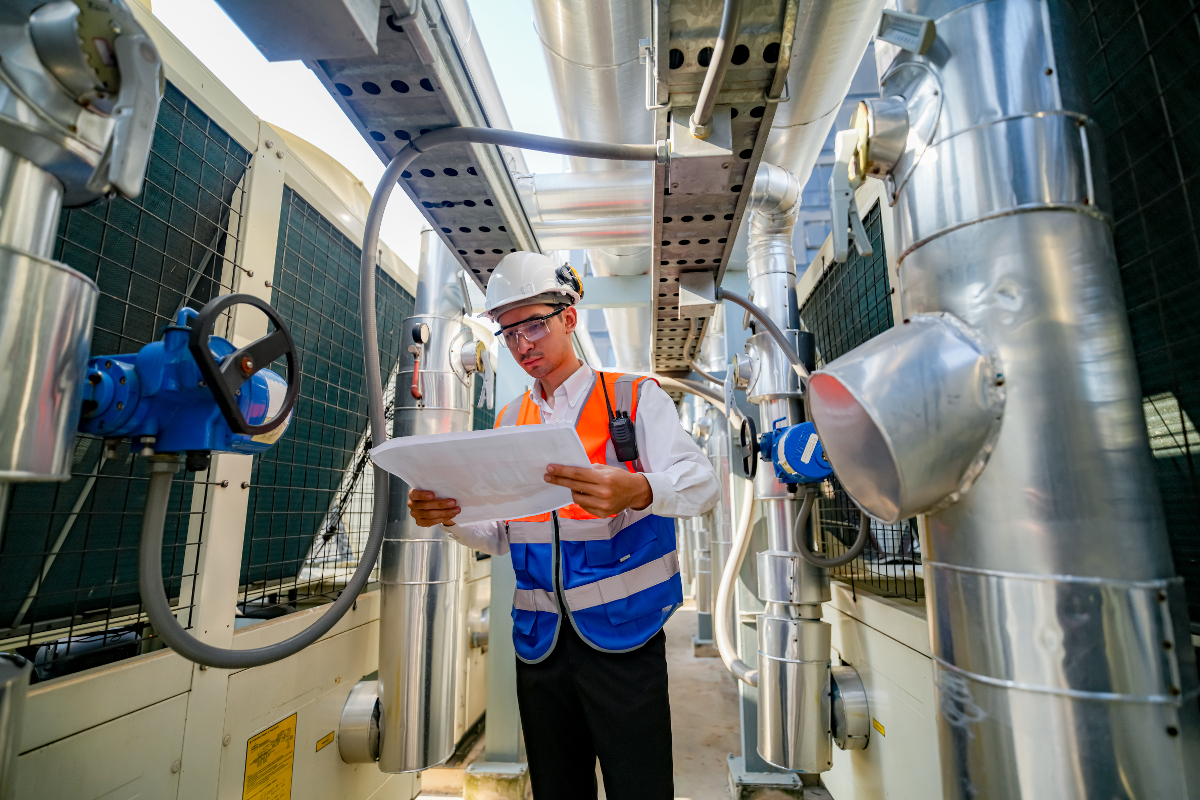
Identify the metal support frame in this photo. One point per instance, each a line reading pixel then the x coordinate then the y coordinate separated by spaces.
pixel 219 556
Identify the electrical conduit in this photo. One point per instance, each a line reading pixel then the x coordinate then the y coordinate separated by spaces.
pixel 723 624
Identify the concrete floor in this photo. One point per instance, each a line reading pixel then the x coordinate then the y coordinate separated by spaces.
pixel 704 722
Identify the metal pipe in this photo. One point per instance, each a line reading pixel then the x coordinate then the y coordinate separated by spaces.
pixel 592 54
pixel 785 344
pixel 579 234
pixel 421 569
pixel 601 194
pixel 831 38
pixel 1062 658
pixel 723 612
pixel 731 18
pixel 687 349
pixel 793 643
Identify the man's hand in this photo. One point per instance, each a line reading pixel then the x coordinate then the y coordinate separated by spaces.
pixel 602 490
pixel 428 509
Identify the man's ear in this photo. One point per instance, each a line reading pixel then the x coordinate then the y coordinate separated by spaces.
pixel 570 318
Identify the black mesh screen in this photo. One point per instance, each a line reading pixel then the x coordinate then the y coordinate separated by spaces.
pixel 310 495
pixel 68 562
pixel 850 304
pixel 1143 68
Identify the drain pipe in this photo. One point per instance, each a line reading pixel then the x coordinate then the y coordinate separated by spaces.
pixel 1062 658
pixel 793 643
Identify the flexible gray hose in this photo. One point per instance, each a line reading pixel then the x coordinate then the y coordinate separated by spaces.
pixel 719 65
pixel 724 606
pixel 154 595
pixel 864 530
pixel 150 582
pixel 761 316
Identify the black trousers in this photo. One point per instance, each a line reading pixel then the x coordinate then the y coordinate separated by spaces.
pixel 580 704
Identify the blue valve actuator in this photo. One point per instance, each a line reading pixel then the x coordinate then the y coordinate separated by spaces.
pixel 159 392
pixel 796 453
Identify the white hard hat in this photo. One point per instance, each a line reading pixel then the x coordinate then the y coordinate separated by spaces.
pixel 523 278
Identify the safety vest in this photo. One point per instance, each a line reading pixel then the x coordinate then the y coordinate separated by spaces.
pixel 618 576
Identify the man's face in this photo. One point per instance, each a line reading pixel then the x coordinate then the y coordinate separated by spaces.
pixel 540 357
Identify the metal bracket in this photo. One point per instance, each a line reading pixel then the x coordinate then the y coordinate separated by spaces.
pixel 911 32
pixel 846 224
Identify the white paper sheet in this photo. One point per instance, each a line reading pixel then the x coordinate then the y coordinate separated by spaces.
pixel 496 474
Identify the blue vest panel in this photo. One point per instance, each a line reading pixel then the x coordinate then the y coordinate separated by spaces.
pixel 620 591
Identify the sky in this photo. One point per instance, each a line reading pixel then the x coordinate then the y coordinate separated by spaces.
pixel 288 95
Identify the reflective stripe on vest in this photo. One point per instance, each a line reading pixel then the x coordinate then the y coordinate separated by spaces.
pixel 535 600
pixel 618 587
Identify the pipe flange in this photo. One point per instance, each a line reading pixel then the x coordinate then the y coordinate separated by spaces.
pixel 851 716
pixel 358 731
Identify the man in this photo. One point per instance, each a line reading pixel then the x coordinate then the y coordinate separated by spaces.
pixel 593 685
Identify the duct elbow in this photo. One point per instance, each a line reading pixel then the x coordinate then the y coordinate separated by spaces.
pixel 774 201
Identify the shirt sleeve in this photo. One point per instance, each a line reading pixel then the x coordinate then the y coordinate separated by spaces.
pixel 488 537
pixel 680 476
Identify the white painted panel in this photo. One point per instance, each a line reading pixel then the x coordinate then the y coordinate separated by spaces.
pixel 63 707
pixel 902 764
pixel 314 686
pixel 129 758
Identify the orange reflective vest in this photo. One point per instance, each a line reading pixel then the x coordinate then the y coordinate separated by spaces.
pixel 618 577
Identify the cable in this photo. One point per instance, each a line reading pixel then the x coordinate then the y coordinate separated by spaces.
pixel 717 67
pixel 772 328
pixel 724 610
pixel 150 580
pixel 864 530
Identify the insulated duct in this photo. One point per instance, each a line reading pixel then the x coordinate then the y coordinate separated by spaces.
pixel 793 642
pixel 592 53
pixel 1063 663
pixel 420 569
pixel 583 210
pixel 831 38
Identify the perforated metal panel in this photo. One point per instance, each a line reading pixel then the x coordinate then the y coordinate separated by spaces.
pixel 850 304
pixel 414 85
pixel 68 563
pixel 1143 68
pixel 695 233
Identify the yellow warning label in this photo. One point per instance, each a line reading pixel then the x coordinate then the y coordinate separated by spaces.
pixel 877 726
pixel 269 758
pixel 327 739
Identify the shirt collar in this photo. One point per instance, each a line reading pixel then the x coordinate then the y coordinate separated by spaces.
pixel 572 388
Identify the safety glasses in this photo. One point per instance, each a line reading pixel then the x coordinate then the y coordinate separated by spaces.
pixel 530 329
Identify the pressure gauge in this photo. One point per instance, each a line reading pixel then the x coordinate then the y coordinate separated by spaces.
pixel 420 333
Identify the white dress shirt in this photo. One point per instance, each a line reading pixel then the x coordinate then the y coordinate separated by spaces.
pixel 681 478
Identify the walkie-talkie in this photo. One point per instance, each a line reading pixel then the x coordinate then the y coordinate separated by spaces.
pixel 620 429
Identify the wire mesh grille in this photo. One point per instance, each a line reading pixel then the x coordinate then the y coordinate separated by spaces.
pixel 311 494
pixel 850 304
pixel 68 562
pixel 1143 65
